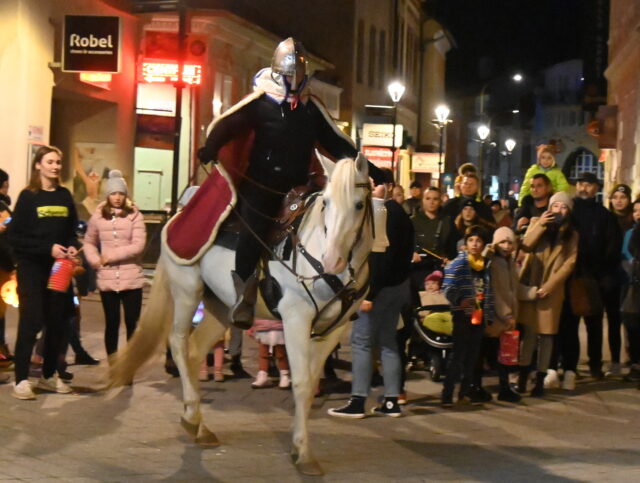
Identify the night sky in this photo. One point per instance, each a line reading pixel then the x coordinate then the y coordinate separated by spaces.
pixel 499 37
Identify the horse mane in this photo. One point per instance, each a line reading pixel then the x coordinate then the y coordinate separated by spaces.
pixel 343 181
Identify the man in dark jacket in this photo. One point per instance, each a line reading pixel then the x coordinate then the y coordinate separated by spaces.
pixel 534 204
pixel 378 318
pixel 599 252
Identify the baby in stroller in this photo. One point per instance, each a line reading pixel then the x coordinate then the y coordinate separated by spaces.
pixel 434 324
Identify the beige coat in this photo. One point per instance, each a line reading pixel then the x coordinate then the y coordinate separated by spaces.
pixel 546 267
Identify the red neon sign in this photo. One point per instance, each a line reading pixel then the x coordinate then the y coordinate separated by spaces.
pixel 163 72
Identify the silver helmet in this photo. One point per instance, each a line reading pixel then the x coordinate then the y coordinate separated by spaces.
pixel 290 59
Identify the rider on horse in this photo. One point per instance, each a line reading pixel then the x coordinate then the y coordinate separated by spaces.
pixel 286 125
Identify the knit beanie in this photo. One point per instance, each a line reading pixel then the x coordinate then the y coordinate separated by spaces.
pixel 503 233
pixel 116 183
pixel 436 276
pixel 561 197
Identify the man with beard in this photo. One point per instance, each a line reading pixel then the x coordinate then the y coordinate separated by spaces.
pixel 534 204
pixel 599 252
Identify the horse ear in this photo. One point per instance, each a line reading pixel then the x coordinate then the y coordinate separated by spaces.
pixel 362 165
pixel 326 163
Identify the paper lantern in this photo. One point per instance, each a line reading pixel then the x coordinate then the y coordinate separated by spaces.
pixel 9 292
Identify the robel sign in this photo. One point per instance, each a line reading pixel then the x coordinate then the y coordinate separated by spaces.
pixel 91 44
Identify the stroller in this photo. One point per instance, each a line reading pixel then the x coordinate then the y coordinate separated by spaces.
pixel 433 327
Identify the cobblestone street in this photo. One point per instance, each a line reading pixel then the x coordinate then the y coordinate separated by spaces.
pixel 133 434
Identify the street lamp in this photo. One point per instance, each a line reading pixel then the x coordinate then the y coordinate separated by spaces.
pixel 396 91
pixel 510 144
pixel 516 78
pixel 483 133
pixel 441 121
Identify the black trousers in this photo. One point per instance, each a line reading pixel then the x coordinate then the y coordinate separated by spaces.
pixel 467 339
pixel 569 341
pixel 39 308
pixel 257 208
pixel 611 298
pixel 131 301
pixel 632 324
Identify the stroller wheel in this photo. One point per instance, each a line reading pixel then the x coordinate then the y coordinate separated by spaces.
pixel 436 368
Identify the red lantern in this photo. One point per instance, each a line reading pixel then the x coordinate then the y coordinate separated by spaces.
pixel 509 348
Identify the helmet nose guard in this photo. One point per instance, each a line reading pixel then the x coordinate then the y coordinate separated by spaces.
pixel 290 59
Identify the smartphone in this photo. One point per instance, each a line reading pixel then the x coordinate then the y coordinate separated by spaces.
pixel 7 220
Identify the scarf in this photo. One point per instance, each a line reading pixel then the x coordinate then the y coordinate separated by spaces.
pixel 476 262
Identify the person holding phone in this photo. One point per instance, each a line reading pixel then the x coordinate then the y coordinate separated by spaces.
pixel 551 245
pixel 41 231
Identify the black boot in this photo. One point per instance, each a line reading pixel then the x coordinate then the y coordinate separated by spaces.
pixel 523 377
pixel 506 393
pixel 538 389
pixel 241 314
pixel 237 369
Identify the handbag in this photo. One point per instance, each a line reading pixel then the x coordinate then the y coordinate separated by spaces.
pixel 584 295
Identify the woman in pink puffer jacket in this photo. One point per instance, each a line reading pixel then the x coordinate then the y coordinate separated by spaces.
pixel 113 244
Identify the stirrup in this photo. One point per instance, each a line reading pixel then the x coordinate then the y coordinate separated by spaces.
pixel 242 312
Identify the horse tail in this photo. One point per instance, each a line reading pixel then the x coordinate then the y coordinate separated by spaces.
pixel 153 329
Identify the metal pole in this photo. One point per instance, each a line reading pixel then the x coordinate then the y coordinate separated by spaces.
pixel 440 128
pixel 179 85
pixel 508 174
pixel 481 163
pixel 393 141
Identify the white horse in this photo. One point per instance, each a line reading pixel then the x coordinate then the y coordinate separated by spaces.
pixel 336 230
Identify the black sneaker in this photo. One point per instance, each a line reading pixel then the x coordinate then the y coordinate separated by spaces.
pixel 354 409
pixel 84 359
pixel 633 375
pixel 509 395
pixel 389 407
pixel 479 395
pixel 446 401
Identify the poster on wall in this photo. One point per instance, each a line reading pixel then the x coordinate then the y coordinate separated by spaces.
pixel 91 163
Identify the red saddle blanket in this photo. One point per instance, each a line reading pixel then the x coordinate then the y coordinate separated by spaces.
pixel 190 233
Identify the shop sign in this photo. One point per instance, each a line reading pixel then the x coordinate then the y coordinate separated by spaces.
pixel 381 157
pixel 381 135
pixel 91 44
pixel 167 72
pixel 425 162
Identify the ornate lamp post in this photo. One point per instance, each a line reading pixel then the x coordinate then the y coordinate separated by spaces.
pixel 396 91
pixel 441 121
pixel 510 144
pixel 483 134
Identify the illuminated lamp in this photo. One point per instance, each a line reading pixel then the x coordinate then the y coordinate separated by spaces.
pixel 9 292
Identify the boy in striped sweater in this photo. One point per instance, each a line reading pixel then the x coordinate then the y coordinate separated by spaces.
pixel 467 286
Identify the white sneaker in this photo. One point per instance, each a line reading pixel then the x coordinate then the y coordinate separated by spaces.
pixel 23 390
pixel 551 380
pixel 53 384
pixel 569 381
pixel 262 380
pixel 285 380
pixel 615 370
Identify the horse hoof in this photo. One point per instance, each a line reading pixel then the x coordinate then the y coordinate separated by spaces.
pixel 190 428
pixel 310 468
pixel 206 437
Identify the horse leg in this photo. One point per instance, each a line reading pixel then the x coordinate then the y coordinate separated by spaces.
pixel 306 359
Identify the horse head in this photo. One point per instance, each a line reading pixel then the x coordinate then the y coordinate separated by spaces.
pixel 346 205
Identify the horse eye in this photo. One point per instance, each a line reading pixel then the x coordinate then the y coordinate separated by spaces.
pixel 359 205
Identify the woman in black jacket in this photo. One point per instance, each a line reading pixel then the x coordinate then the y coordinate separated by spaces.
pixel 41 231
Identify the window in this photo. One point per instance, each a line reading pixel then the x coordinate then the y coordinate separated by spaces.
pixel 373 34
pixel 382 57
pixel 360 53
pixel 586 162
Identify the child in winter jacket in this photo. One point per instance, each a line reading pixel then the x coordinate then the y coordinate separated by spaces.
pixel 467 286
pixel 546 164
pixel 113 244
